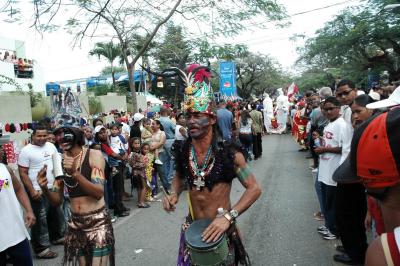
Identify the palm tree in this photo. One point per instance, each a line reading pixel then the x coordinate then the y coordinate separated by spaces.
pixel 110 51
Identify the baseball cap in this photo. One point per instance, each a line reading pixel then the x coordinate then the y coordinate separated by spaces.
pixel 98 128
pixel 375 155
pixel 137 117
pixel 394 99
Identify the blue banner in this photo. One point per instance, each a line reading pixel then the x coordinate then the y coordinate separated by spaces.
pixel 227 83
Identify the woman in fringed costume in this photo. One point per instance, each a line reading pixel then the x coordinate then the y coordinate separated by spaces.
pixel 89 239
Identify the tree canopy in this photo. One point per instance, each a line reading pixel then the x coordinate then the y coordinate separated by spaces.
pixel 360 41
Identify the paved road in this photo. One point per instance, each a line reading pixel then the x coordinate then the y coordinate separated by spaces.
pixel 278 229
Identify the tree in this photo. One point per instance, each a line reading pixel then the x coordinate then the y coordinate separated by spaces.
pixel 360 41
pixel 123 19
pixel 109 51
pixel 256 72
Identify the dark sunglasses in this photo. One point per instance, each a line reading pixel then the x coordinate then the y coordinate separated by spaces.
pixel 345 93
pixel 330 108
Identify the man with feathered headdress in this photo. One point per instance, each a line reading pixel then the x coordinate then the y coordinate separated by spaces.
pixel 205 163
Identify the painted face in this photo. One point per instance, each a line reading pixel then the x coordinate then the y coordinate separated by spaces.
pixel 199 124
pixel 67 140
pixel 346 95
pixel 40 137
pixel 332 112
pixel 359 114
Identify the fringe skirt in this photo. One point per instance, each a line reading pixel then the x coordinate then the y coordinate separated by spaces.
pixel 89 235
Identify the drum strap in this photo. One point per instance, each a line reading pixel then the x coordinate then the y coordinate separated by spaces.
pixel 190 206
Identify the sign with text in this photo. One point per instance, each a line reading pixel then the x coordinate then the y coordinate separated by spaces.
pixel 227 85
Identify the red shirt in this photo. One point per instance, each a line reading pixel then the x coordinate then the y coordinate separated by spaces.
pixel 106 149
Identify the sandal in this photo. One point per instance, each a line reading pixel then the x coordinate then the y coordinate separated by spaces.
pixel 144 205
pixel 47 254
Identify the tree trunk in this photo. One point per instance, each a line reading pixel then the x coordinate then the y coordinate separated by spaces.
pixel 113 80
pixel 131 71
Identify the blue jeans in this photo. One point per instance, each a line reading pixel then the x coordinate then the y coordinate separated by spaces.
pixel 168 164
pixel 20 254
pixel 328 203
pixel 49 226
pixel 317 186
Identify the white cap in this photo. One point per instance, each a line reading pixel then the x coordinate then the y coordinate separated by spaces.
pixel 393 100
pixel 374 95
pixel 137 117
pixel 98 128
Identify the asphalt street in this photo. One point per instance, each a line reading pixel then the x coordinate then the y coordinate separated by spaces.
pixel 278 229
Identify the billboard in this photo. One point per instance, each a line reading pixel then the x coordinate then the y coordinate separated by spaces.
pixel 227 83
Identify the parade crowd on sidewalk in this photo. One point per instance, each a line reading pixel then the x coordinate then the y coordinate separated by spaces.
pixel 135 157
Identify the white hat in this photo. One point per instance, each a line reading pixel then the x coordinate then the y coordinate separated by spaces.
pixel 374 95
pixel 98 128
pixel 137 117
pixel 394 99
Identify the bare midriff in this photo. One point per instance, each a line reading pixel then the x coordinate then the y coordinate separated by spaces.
pixel 81 205
pixel 205 203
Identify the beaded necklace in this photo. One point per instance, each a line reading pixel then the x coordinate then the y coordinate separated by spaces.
pixel 80 155
pixel 203 170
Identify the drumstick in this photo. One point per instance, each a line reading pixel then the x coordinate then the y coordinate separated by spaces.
pixel 166 195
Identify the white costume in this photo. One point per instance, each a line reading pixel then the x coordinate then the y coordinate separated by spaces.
pixel 282 109
pixel 268 112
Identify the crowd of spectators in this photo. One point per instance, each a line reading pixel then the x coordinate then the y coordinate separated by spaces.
pixel 23 68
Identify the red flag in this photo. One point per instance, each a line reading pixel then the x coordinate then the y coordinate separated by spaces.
pixel 292 90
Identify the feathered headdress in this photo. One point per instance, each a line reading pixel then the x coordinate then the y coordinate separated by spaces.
pixel 198 95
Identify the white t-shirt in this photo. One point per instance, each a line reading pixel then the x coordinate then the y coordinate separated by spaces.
pixel 345 112
pixel 336 134
pixel 126 129
pixel 35 157
pixel 12 224
pixel 116 144
pixel 178 135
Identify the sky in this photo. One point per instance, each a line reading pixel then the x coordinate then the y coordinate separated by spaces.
pixel 60 61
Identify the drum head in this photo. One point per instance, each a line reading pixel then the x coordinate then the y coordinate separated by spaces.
pixel 193 235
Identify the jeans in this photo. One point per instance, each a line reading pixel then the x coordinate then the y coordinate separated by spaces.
pixel 49 224
pixel 257 145
pixel 328 203
pixel 168 164
pixel 246 140
pixel 20 255
pixel 351 208
pixel 317 186
pixel 118 189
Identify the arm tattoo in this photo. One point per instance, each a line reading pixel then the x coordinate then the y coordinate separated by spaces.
pixel 97 176
pixel 243 173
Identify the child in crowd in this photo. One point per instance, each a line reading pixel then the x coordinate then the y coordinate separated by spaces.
pixel 138 164
pixel 118 145
pixel 147 134
pixel 149 170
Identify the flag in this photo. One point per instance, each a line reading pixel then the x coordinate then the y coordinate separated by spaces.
pixel 292 90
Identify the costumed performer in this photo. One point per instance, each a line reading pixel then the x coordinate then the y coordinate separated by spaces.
pixel 89 239
pixel 282 108
pixel 299 126
pixel 205 163
pixel 268 112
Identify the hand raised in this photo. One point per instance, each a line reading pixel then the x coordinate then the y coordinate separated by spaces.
pixel 69 164
pixel 42 179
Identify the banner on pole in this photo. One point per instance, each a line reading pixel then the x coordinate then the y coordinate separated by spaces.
pixel 227 85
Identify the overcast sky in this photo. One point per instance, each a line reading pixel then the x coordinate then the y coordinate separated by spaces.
pixel 60 62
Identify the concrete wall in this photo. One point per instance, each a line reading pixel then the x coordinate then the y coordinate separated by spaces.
pixel 112 101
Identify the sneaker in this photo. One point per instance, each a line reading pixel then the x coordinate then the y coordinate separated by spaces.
pixel 322 228
pixel 329 236
pixel 157 161
pixel 113 219
pixel 315 170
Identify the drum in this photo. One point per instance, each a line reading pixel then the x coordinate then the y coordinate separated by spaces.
pixel 202 253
